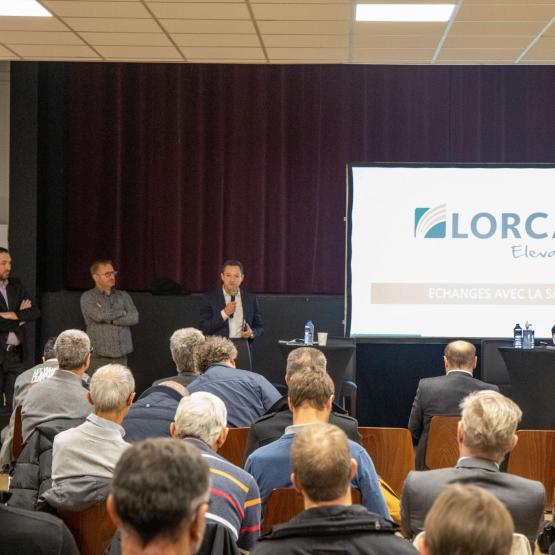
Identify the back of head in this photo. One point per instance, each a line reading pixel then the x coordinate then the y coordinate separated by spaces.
pixel 305 358
pixel 183 343
pixel 72 348
pixel 110 387
pixel 157 488
pixel 461 355
pixel 201 415
pixel 214 350
pixel 321 461
pixel 468 520
pixel 489 420
pixel 311 388
pixel 49 351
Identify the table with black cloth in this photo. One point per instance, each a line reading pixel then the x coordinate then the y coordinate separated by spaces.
pixel 340 354
pixel 532 375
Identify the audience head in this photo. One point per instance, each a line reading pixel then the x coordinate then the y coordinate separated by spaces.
pixel 160 494
pixel 467 520
pixel 215 350
pixel 73 350
pixel 203 416
pixel 112 389
pixel 460 355
pixel 49 351
pixel 322 465
pixel 488 424
pixel 183 343
pixel 180 388
pixel 311 388
pixel 304 358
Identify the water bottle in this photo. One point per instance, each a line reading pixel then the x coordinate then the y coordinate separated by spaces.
pixel 309 333
pixel 517 335
pixel 528 337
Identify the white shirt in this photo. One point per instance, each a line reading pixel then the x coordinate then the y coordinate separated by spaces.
pixel 235 323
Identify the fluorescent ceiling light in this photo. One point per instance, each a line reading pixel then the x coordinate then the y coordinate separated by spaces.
pixel 28 8
pixel 404 12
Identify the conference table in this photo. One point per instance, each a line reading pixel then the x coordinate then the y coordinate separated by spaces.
pixel 532 375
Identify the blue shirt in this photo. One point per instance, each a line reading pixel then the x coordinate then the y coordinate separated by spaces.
pixel 247 395
pixel 271 467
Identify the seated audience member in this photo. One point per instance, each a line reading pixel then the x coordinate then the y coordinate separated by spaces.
pixel 247 395
pixel 183 344
pixel 441 395
pixel 25 380
pixel 159 497
pixel 84 458
pixel 64 394
pixel 322 472
pixel 28 532
pixel 271 426
pixel 467 520
pixel 310 400
pixel 234 497
pixel 153 412
pixel 486 433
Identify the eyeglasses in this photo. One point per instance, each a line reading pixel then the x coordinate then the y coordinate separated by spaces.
pixel 109 274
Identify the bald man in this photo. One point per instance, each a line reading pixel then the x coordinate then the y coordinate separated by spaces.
pixel 441 395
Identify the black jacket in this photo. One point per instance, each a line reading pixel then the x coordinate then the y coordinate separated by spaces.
pixel 334 529
pixel 271 426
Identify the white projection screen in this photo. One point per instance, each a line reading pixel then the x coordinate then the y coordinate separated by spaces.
pixel 449 251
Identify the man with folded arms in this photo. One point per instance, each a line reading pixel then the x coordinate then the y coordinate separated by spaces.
pixel 486 433
pixel 322 472
pixel 310 400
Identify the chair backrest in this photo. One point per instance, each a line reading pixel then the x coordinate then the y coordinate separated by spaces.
pixel 17 441
pixel 284 503
pixel 534 458
pixel 442 449
pixel 234 447
pixel 391 451
pixel 92 528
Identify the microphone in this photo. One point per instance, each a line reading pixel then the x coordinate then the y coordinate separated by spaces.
pixel 232 300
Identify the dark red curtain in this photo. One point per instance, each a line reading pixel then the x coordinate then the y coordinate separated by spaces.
pixel 170 169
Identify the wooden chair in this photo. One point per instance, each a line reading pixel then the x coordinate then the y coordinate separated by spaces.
pixel 17 441
pixel 284 503
pixel 392 453
pixel 534 458
pixel 442 449
pixel 92 528
pixel 234 447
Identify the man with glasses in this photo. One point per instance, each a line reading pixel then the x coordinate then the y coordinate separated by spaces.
pixel 108 314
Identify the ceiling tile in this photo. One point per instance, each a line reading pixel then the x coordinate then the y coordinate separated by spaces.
pixel 393 55
pixel 395 42
pixel 543 50
pixel 5 53
pixel 81 8
pixel 298 11
pixel 206 26
pixel 398 28
pixel 129 39
pixel 311 54
pixel 496 28
pixel 310 41
pixel 478 55
pixel 216 40
pixel 31 24
pixel 200 10
pixel 54 51
pixel 504 12
pixel 38 37
pixel 211 52
pixel 487 42
pixel 304 27
pixel 144 52
pixel 116 25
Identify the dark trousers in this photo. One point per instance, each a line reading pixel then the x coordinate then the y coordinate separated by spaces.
pixel 11 366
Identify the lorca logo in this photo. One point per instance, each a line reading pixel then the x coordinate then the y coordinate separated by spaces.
pixel 436 223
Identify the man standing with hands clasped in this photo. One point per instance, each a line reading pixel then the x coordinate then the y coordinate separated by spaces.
pixel 231 311
pixel 108 313
pixel 16 309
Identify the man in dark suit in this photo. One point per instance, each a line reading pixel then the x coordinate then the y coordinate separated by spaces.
pixel 271 425
pixel 486 433
pixel 231 311
pixel 16 309
pixel 441 395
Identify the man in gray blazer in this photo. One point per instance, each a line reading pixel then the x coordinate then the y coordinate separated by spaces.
pixel 441 395
pixel 486 433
